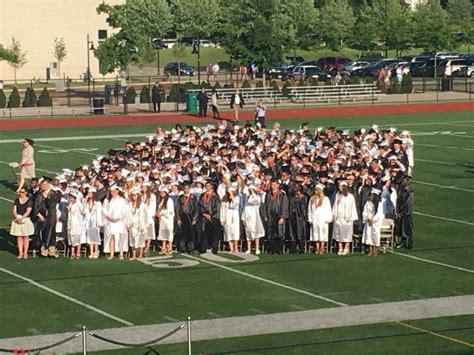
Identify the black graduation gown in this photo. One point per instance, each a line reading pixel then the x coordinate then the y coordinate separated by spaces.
pixel 209 231
pixel 187 212
pixel 46 206
pixel 298 222
pixel 404 222
pixel 276 206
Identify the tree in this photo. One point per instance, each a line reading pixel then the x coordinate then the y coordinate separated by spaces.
pixel 394 24
pixel 461 21
pixel 3 99
pixel 16 58
pixel 251 32
pixel 44 99
pixel 59 52
pixel 14 99
pixel 335 22
pixel 430 26
pixel 138 23
pixel 365 32
pixel 196 19
pixel 6 54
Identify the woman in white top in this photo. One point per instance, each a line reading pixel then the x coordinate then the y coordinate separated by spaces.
pixel 166 221
pixel 93 222
pixel 149 200
pixel 115 215
pixel 75 225
pixel 372 217
pixel 215 104
pixel 137 223
pixel 319 217
pixel 252 220
pixel 344 214
pixel 230 218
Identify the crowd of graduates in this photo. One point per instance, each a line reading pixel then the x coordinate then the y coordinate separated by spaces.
pixel 248 188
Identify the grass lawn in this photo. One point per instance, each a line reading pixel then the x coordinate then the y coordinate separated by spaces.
pixel 142 294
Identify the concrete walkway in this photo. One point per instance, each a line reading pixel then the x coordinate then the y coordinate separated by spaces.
pixel 261 324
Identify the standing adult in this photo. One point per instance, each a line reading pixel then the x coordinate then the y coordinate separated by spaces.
pixel 76 229
pixel 156 97
pixel 236 103
pixel 344 215
pixel 215 104
pixel 230 218
pixel 22 227
pixel 187 216
pixel 209 207
pixel 46 216
pixel 115 214
pixel 252 220
pixel 203 101
pixel 93 222
pixel 404 222
pixel 165 214
pixel 260 112
pixel 319 216
pixel 372 216
pixel 276 213
pixel 27 163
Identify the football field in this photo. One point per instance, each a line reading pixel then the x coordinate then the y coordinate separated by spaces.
pixel 41 296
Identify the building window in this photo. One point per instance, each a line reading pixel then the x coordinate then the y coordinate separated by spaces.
pixel 102 35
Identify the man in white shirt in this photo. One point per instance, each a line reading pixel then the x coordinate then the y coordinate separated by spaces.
pixel 236 103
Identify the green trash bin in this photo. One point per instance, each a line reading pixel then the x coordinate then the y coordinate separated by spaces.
pixel 191 102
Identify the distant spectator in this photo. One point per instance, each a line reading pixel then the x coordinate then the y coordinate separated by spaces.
pixel 260 112
pixel 209 71
pixel 243 72
pixel 203 100
pixel 215 70
pixel 236 103
pixel 156 97
pixel 215 104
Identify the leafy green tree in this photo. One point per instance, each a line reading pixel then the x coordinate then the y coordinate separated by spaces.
pixel 460 20
pixel 365 32
pixel 131 95
pixel 196 19
pixel 430 27
pixel 44 99
pixel 14 99
pixel 6 54
pixel 335 22
pixel 59 52
pixel 138 22
pixel 407 84
pixel 145 95
pixel 16 57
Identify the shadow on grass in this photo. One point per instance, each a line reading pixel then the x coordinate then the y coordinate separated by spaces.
pixel 9 184
pixel 7 242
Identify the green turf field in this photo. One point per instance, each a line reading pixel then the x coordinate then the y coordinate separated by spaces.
pixel 142 294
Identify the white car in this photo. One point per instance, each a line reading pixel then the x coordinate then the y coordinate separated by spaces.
pixel 467 71
pixel 358 64
pixel 205 43
pixel 304 72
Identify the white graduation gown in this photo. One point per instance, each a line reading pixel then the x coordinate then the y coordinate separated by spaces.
pixel 75 224
pixel 138 225
pixel 251 216
pixel 116 208
pixel 319 217
pixel 150 222
pixel 166 229
pixel 93 221
pixel 344 214
pixel 371 235
pixel 389 202
pixel 230 219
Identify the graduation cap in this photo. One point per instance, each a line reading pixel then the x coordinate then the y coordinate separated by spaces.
pixel 268 172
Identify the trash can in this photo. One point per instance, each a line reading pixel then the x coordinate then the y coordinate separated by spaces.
pixel 446 84
pixel 191 102
pixel 98 106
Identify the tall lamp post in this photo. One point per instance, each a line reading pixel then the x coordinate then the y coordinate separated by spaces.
pixel 89 48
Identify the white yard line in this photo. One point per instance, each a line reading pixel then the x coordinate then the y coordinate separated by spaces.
pixel 444 147
pixel 6 199
pixel 436 162
pixel 44 171
pixel 444 218
pixel 70 149
pixel 433 262
pixel 68 298
pixel 77 138
pixel 294 289
pixel 442 186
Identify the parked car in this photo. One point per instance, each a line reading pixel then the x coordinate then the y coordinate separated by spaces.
pixel 465 72
pixel 295 60
pixel 374 68
pixel 278 71
pixel 356 64
pixel 159 43
pixel 204 43
pixel 305 72
pixel 185 69
pixel 447 66
pixel 332 63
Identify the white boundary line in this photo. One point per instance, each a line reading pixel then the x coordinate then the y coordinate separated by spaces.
pixel 70 299
pixel 436 161
pixel 443 146
pixel 71 150
pixel 444 218
pixel 433 262
pixel 442 186
pixel 6 199
pixel 307 293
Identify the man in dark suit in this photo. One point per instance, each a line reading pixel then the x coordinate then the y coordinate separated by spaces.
pixel 203 100
pixel 156 97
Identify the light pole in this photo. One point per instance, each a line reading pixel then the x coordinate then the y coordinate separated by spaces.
pixel 199 60
pixel 91 48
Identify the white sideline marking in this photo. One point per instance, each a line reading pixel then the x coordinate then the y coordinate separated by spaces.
pixel 436 161
pixel 70 299
pixel 442 186
pixel 444 146
pixel 6 199
pixel 44 171
pixel 76 138
pixel 401 124
pixel 268 281
pixel 444 218
pixel 433 262
pixel 70 150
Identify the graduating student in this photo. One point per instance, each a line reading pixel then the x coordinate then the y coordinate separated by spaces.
pixel 166 220
pixel 344 214
pixel 276 213
pixel 230 217
pixel 319 216
pixel 298 220
pixel 187 217
pixel 252 220
pixel 372 217
pixel 209 208
pixel 93 221
pixel 137 223
pixel 404 222
pixel 115 217
pixel 148 198
pixel 75 225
